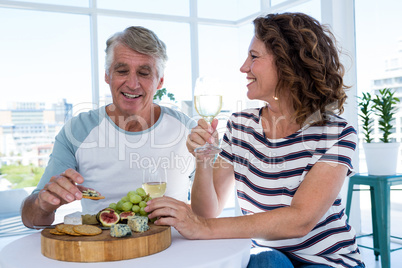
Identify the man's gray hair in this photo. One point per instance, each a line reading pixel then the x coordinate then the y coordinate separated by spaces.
pixel 140 39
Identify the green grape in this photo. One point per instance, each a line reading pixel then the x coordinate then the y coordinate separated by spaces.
pixel 131 192
pixel 125 199
pixel 127 206
pixel 119 205
pixel 135 198
pixel 142 212
pixel 141 192
pixel 142 204
pixel 135 209
pixel 147 198
pixel 113 206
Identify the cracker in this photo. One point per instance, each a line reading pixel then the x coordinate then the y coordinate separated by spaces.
pixel 87 229
pixel 67 229
pixel 93 197
pixel 55 232
pixel 60 227
pixel 91 194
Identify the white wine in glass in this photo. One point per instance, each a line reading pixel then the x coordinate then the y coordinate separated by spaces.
pixel 154 181
pixel 208 104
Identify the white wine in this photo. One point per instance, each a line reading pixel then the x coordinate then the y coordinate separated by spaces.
pixel 155 189
pixel 208 106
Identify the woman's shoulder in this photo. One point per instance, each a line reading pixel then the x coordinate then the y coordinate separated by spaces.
pixel 338 121
pixel 334 124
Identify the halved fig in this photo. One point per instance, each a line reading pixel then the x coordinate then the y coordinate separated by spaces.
pixel 125 215
pixel 108 217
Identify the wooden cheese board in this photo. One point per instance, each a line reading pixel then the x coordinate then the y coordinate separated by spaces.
pixel 103 247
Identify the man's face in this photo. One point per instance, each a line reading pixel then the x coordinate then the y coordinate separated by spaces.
pixel 133 81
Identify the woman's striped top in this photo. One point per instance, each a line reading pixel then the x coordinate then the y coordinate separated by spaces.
pixel 268 173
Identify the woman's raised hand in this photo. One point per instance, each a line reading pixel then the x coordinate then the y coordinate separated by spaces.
pixel 201 134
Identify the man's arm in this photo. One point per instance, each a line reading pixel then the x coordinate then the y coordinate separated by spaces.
pixel 39 208
pixel 32 214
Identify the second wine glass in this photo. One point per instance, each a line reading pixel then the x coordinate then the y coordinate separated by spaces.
pixel 154 181
pixel 208 104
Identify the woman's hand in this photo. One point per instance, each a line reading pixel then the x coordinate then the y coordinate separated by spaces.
pixel 60 190
pixel 172 212
pixel 201 134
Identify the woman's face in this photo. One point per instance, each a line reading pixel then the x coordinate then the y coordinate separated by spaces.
pixel 261 72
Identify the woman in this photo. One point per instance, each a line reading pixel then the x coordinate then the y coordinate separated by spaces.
pixel 288 159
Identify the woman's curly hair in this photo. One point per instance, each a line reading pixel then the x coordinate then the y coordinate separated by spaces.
pixel 307 63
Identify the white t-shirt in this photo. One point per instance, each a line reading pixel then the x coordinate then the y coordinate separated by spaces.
pixel 112 160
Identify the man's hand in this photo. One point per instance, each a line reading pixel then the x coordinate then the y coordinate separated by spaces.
pixel 60 190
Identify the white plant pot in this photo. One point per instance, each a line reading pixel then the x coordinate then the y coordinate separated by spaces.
pixel 381 158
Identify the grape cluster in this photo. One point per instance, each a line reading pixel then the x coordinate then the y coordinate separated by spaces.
pixel 134 201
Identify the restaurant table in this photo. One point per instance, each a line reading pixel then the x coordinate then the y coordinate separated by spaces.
pixel 227 253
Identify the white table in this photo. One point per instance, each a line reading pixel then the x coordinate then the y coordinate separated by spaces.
pixel 227 253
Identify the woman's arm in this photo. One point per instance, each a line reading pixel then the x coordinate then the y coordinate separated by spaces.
pixel 213 184
pixel 213 181
pixel 313 198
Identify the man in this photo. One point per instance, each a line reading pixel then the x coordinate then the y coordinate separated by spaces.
pixel 107 149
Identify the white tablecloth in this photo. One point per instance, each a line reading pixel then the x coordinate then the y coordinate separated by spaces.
pixel 228 253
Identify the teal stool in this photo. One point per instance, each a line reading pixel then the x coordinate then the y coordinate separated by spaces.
pixel 380 187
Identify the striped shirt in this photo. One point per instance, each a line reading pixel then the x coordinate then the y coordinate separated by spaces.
pixel 268 173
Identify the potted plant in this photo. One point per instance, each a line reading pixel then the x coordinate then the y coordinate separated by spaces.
pixel 162 92
pixel 382 156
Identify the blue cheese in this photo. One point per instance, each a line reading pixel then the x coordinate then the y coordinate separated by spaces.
pixel 73 218
pixel 90 192
pixel 138 224
pixel 120 230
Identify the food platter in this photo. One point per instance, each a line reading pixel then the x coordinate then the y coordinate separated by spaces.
pixel 103 247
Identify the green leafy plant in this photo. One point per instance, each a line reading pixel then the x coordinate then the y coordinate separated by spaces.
pixel 22 176
pixel 365 114
pixel 162 92
pixel 385 107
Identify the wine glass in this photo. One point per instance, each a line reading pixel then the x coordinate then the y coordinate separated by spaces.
pixel 154 181
pixel 208 104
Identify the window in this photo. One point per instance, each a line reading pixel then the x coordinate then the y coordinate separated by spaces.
pixel 171 7
pixel 51 55
pixel 78 3
pixel 378 70
pixel 45 56
pixel 231 10
pixel 177 39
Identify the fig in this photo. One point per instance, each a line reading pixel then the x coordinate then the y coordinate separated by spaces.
pixel 108 217
pixel 105 209
pixel 125 215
